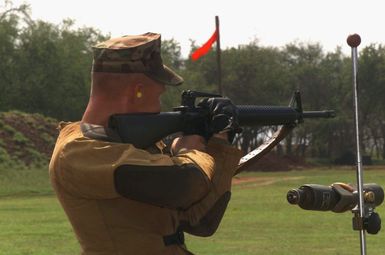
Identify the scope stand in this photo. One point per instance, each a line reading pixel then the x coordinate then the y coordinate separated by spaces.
pixel 371 222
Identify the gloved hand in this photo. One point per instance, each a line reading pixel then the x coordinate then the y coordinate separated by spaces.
pixel 223 115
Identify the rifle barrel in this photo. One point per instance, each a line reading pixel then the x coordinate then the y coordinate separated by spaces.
pixel 257 115
pixel 319 114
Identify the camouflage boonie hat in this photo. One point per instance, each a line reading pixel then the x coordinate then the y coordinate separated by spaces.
pixel 134 54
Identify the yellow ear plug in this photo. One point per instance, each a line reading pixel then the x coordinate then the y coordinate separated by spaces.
pixel 139 94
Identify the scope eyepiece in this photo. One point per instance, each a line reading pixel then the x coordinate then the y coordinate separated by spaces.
pixel 293 196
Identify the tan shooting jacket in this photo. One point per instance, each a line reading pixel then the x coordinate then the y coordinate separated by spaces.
pixel 119 202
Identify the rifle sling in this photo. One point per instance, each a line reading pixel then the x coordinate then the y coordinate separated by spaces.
pixel 264 148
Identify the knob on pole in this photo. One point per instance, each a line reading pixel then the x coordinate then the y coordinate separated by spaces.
pixel 353 40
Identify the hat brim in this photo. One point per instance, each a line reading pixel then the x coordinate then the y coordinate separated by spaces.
pixel 166 76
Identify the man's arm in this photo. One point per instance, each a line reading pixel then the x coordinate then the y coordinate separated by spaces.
pixel 177 186
pixel 100 170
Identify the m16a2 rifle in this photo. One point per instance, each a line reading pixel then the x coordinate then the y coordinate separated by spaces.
pixel 143 130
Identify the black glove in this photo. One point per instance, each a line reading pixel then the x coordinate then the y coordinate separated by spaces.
pixel 223 116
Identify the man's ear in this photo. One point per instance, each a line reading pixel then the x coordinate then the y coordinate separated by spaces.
pixel 138 92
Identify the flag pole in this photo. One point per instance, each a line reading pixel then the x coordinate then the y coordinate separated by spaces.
pixel 220 89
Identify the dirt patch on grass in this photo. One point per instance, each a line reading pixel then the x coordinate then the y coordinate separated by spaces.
pixel 273 162
pixel 263 181
pixel 28 138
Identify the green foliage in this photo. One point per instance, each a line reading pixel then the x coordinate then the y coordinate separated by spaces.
pixel 47 138
pixel 171 54
pixel 8 129
pixel 59 85
pixel 37 158
pixel 4 156
pixel 20 138
pixel 27 139
pixel 47 66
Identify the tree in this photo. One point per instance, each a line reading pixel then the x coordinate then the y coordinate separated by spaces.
pixel 371 94
pixel 12 19
pixel 58 63
pixel 172 57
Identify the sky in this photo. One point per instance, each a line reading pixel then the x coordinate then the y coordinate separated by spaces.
pixel 270 22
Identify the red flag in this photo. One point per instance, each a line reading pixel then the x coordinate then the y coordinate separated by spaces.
pixel 205 47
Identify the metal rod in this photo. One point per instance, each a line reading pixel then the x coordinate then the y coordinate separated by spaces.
pixel 353 41
pixel 220 89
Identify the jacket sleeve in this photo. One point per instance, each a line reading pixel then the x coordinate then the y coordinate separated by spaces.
pixel 209 223
pixel 172 186
pixel 204 217
pixel 102 170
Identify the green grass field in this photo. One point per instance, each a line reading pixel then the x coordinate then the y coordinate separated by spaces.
pixel 258 220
